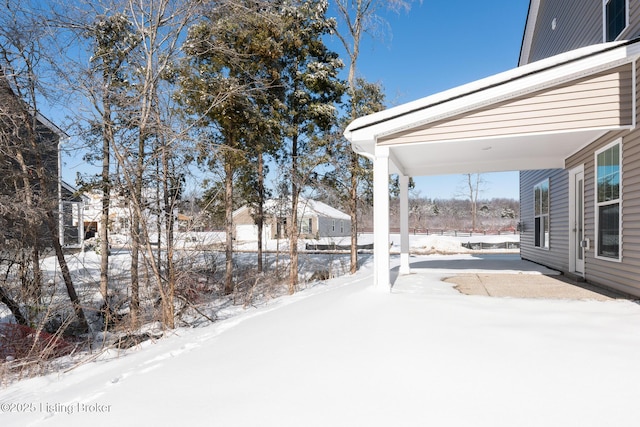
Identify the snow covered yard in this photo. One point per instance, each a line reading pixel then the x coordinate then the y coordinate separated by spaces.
pixel 344 354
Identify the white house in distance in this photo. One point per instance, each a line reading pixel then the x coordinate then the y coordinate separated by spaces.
pixel 315 219
pixel 120 211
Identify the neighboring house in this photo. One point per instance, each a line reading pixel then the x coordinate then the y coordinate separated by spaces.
pixel 315 220
pixel 120 213
pixel 48 137
pixel 566 117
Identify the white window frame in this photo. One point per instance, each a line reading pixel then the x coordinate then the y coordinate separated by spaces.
pixel 341 226
pixel 604 19
pixel 306 226
pixel 598 204
pixel 333 225
pixel 543 237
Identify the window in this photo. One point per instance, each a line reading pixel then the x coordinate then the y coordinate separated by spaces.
pixel 608 174
pixel 541 214
pixel 615 18
pixel 333 225
pixel 307 225
pixel 342 227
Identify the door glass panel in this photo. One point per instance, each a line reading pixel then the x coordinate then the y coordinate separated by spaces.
pixel 579 215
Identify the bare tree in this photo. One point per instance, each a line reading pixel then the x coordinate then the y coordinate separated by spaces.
pixel 359 17
pixel 474 183
pixel 133 47
pixel 23 52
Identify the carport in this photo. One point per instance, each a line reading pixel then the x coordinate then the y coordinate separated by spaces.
pixel 531 117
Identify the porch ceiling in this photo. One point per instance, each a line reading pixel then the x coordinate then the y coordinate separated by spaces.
pixel 449 133
pixel 499 154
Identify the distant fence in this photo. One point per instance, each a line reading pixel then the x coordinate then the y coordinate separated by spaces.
pixel 478 246
pixel 334 247
pixel 452 233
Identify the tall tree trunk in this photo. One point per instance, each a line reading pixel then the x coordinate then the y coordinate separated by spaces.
pixel 34 288
pixel 136 240
pixel 106 199
pixel 169 196
pixel 293 226
pixel 228 225
pixel 353 213
pixel 134 305
pixel 52 224
pixel 260 214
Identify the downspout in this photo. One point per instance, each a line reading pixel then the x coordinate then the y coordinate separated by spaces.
pixel 634 98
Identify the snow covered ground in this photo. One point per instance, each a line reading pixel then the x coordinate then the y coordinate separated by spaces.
pixel 417 242
pixel 344 354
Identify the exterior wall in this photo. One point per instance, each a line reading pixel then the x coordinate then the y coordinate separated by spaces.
pixel 326 228
pixel 621 275
pixel 243 217
pixel 321 226
pixel 578 23
pixel 599 101
pixel 557 255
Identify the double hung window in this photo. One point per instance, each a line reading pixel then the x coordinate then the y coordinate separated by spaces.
pixel 541 214
pixel 608 200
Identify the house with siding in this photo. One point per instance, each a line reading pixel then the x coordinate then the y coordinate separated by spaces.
pixel 315 219
pixel 566 117
pixel 584 218
pixel 21 160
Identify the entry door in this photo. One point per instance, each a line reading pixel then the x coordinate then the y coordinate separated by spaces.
pixel 578 221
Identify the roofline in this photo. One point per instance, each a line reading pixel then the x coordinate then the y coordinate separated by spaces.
pixel 32 111
pixel 527 34
pixel 54 128
pixel 609 47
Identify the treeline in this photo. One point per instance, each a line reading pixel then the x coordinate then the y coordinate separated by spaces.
pixel 156 89
pixel 497 214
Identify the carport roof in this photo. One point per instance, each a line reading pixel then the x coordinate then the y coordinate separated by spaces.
pixel 439 134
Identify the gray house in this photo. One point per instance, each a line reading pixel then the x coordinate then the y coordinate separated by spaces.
pixel 315 220
pixel 584 218
pixel 566 118
pixel 20 161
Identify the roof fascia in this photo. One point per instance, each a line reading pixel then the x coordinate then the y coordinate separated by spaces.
pixel 499 87
pixel 48 123
pixel 529 29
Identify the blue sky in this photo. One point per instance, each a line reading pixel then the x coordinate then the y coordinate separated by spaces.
pixel 438 45
pixel 442 44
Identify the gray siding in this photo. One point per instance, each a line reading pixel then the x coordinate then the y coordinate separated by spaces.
pixel 578 24
pixel 557 256
pixel 618 275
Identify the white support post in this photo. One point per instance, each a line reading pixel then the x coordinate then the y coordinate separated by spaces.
pixel 404 224
pixel 381 249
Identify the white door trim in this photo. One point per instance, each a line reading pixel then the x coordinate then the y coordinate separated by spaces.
pixel 577 239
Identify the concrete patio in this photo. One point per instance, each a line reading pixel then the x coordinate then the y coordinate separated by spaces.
pixel 497 275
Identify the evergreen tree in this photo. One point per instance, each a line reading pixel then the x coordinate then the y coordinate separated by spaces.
pixel 312 89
